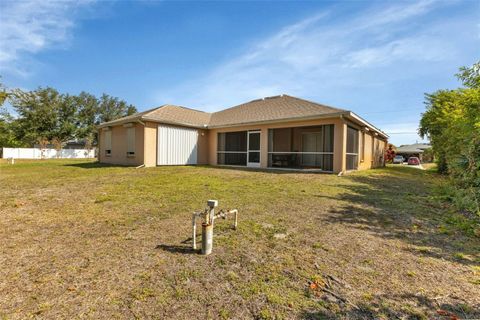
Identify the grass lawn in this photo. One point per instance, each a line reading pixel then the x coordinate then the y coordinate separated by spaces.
pixel 82 240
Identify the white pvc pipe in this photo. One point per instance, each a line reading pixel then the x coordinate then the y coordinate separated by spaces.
pixel 194 230
pixel 235 212
pixel 223 214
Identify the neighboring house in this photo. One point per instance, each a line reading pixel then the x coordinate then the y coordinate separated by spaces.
pixel 70 144
pixel 78 144
pixel 273 132
pixel 413 150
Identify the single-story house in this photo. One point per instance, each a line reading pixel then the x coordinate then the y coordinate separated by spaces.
pixel 413 150
pixel 273 132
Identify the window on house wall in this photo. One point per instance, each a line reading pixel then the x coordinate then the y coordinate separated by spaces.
pixel 108 143
pixel 352 148
pixel 232 148
pixel 131 142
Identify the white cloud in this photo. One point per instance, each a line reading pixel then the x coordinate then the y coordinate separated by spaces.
pixel 30 26
pixel 320 53
pixel 397 13
pixel 415 48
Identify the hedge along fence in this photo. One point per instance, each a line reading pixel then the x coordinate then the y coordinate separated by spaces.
pixel 48 153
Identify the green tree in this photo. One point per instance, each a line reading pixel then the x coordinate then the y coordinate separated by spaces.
pixel 111 108
pixel 428 155
pixel 442 107
pixel 7 130
pixel 7 135
pixel 88 109
pixel 66 126
pixel 470 76
pixel 38 114
pixel 3 94
pixel 452 123
pixel 46 113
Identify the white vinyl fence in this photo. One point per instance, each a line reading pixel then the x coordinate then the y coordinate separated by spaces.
pixel 36 153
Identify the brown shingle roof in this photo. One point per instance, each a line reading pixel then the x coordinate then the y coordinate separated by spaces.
pixel 179 115
pixel 168 114
pixel 275 108
pixel 267 109
pixel 270 109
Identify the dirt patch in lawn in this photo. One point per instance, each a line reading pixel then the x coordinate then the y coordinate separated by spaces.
pixel 82 240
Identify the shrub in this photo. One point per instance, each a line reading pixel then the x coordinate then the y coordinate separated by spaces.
pixel 452 123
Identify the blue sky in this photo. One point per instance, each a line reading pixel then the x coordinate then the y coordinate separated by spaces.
pixel 375 58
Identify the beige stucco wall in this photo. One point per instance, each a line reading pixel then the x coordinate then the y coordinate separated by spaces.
pixel 340 146
pixel 145 145
pixel 150 144
pixel 374 152
pixel 119 146
pixel 378 154
pixel 371 149
pixel 365 151
pixel 202 151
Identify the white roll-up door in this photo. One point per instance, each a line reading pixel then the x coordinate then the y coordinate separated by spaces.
pixel 176 145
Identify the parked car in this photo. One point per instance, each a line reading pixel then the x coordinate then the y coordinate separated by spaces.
pixel 414 161
pixel 398 159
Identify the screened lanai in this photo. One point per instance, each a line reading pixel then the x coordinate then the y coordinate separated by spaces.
pixel 301 147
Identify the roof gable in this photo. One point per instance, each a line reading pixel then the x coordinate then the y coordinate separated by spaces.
pixel 167 114
pixel 270 109
pixel 178 115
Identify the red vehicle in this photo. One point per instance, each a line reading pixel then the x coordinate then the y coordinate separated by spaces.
pixel 414 161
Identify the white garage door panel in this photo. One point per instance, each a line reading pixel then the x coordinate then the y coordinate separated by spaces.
pixel 176 146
